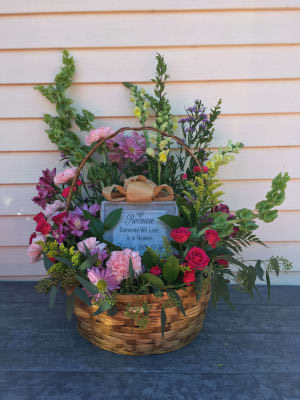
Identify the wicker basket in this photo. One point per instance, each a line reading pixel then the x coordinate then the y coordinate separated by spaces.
pixel 120 334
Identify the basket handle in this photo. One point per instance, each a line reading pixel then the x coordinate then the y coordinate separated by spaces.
pixel 144 128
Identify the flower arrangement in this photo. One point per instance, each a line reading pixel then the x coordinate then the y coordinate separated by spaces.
pixel 206 238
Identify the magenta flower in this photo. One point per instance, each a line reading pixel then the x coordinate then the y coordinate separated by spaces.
pixel 133 146
pixel 58 234
pixel 222 208
pixel 76 224
pixel 93 209
pixel 103 279
pixel 45 189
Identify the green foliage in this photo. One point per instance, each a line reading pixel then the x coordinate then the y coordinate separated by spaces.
pixel 52 296
pixel 112 219
pixel 170 269
pixel 70 305
pixel 138 314
pixel 150 258
pixel 95 226
pixel 172 221
pixel 277 264
pixel 89 286
pixel 82 296
pixel 60 126
pixel 153 280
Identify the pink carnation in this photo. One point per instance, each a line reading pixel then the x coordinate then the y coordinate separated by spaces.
pixel 64 176
pixel 118 263
pixel 96 134
pixel 34 251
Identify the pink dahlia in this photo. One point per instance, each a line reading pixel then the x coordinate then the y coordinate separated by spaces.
pixel 118 263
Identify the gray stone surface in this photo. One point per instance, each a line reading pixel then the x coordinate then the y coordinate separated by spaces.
pixel 249 352
pixel 139 226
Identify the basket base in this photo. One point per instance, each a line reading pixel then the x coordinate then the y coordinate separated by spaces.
pixel 98 342
pixel 120 334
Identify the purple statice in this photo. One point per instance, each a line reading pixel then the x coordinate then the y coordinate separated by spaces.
pixel 45 188
pixel 76 225
pixel 133 147
pixel 93 209
pixel 103 279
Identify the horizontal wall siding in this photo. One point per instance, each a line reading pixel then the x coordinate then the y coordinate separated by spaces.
pixel 246 52
pixel 32 6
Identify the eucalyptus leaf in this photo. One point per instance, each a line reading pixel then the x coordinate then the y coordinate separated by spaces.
pixel 47 263
pixel 102 308
pixel 64 260
pixel 268 284
pixel 88 262
pixel 83 296
pixel 89 286
pixel 70 306
pixel 259 270
pixel 52 296
pixel 163 319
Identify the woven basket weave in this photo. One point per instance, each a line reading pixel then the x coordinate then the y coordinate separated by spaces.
pixel 120 334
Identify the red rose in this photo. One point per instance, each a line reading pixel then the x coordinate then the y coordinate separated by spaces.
pixel 189 277
pixel 204 169
pixel 155 270
pixel 66 191
pixel 197 169
pixel 180 235
pixel 197 258
pixel 212 237
pixel 32 236
pixel 59 218
pixel 184 176
pixel 222 261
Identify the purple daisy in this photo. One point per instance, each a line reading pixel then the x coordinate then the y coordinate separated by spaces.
pixel 103 279
pixel 133 146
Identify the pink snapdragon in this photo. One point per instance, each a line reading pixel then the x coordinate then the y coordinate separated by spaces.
pixel 34 251
pixel 65 176
pixel 118 263
pixel 51 209
pixel 97 134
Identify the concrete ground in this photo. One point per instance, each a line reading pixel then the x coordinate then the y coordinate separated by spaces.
pixel 251 352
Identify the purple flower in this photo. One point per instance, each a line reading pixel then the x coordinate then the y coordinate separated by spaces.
pixel 58 234
pixel 45 189
pixel 76 224
pixel 93 209
pixel 103 279
pixel 133 146
pixel 222 208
